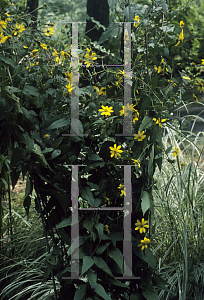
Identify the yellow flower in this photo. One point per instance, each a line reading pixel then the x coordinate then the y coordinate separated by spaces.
pixel 136 162
pixel 141 225
pixel 101 91
pixel 136 117
pixel 18 29
pixel 186 77
pixel 64 54
pixel 202 62
pixel 120 73
pixel 174 83
pixel 90 58
pixel 69 87
pixel 200 86
pixel 137 19
pixel 126 37
pixel 55 53
pixel 115 151
pixel 159 122
pixel 68 76
pixel 49 31
pixel 195 97
pixel 159 69
pixel 176 152
pixel 183 165
pixel 106 227
pixel 3 25
pixel 121 187
pixel 3 38
pixel 117 83
pixel 34 53
pixel 46 136
pixel 140 136
pixel 105 110
pixel 25 47
pixel 181 24
pixel 144 243
pixel 127 109
pixel 43 46
pixel 107 200
pixel 181 38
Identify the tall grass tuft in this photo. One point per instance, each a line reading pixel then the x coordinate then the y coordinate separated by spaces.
pixel 23 258
pixel 178 226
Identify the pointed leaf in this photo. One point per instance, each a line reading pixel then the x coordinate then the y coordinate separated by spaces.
pixel 59 123
pixel 86 194
pixel 145 202
pixel 80 292
pixel 31 90
pixel 55 153
pixel 117 256
pixel 99 228
pixel 88 262
pixel 65 223
pixel 146 123
pixel 101 292
pixel 101 264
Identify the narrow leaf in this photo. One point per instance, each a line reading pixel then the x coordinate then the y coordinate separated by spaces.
pixel 145 201
pixel 88 262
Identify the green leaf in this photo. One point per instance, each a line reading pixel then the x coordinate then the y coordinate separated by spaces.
pixel 88 223
pixel 99 228
pixel 150 259
pixel 166 51
pixel 80 292
pixel 145 202
pixel 101 292
pixel 88 262
pixel 115 237
pixel 28 192
pixel 99 122
pixel 150 164
pixel 59 123
pixel 77 126
pixel 136 297
pixel 11 89
pixel 117 256
pixel 8 60
pixel 77 242
pixel 146 123
pixel 93 185
pixel 92 276
pixel 118 283
pixel 65 223
pixel 36 151
pixel 164 8
pixel 150 295
pixel 101 264
pixel 102 248
pixel 47 150
pixel 86 194
pixel 55 153
pixel 31 90
pixel 94 157
pixel 112 4
pixel 154 82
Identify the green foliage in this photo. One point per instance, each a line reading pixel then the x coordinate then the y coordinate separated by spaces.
pixel 178 231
